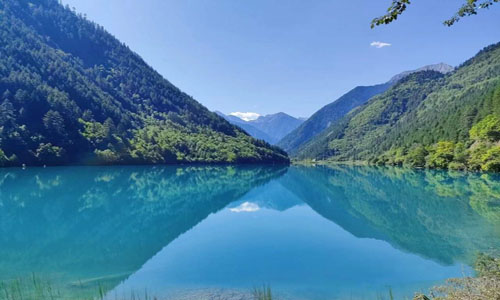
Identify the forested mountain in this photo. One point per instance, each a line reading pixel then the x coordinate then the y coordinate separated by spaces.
pixel 270 128
pixel 426 120
pixel 334 111
pixel 72 93
pixel 330 113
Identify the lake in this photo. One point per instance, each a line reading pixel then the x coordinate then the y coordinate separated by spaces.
pixel 217 232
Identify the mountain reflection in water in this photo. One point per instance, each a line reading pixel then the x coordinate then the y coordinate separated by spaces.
pixel 119 227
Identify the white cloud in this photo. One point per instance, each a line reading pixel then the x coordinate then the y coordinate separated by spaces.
pixel 245 207
pixel 247 116
pixel 380 44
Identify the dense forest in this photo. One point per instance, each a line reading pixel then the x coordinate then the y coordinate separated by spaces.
pixel 426 120
pixel 71 93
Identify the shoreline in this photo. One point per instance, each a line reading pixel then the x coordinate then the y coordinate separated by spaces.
pixel 361 163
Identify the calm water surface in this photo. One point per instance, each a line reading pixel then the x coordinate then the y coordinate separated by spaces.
pixel 217 232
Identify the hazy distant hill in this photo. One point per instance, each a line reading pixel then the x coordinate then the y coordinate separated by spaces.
pixel 334 111
pixel 270 128
pixel 72 93
pixel 245 125
pixel 277 125
pixel 427 119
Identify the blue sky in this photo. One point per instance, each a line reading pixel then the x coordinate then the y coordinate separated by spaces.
pixel 294 56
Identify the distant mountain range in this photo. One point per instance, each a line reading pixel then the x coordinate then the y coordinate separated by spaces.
pixel 334 111
pixel 270 128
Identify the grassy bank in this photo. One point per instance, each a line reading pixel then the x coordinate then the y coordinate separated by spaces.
pixel 485 286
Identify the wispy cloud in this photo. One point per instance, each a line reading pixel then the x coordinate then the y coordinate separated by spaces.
pixel 380 44
pixel 245 207
pixel 247 116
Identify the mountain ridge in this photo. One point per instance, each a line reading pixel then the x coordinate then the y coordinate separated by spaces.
pixel 335 110
pixel 439 67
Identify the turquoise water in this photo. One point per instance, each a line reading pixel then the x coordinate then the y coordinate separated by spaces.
pixel 216 232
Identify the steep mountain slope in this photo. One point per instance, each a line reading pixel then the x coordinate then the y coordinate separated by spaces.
pixel 330 113
pixel 72 93
pixel 421 110
pixel 270 128
pixel 334 111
